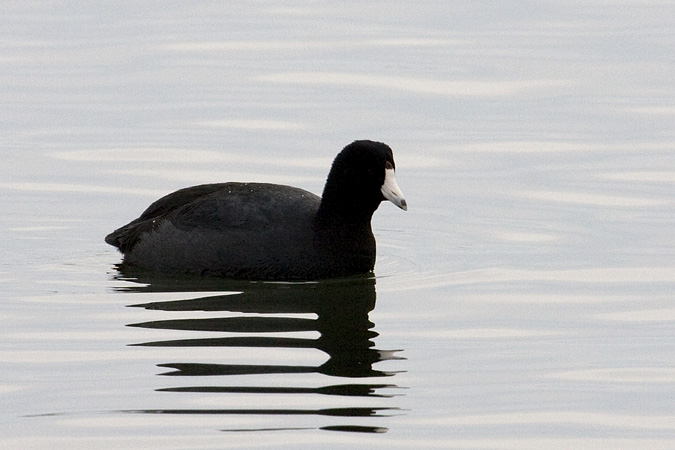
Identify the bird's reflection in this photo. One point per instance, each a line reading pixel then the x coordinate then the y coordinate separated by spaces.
pixel 338 311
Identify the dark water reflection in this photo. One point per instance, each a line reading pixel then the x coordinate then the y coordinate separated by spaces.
pixel 346 336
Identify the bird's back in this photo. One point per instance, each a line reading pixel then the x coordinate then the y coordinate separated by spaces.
pixel 228 229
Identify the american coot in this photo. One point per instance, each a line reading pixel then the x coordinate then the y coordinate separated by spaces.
pixel 261 231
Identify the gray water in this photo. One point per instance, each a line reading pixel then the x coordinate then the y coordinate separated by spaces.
pixel 525 300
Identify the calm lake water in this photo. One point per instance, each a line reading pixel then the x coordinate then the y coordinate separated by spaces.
pixel 525 300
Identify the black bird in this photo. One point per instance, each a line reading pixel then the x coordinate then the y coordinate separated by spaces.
pixel 261 231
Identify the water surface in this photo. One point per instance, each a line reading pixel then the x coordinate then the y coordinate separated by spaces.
pixel 525 299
